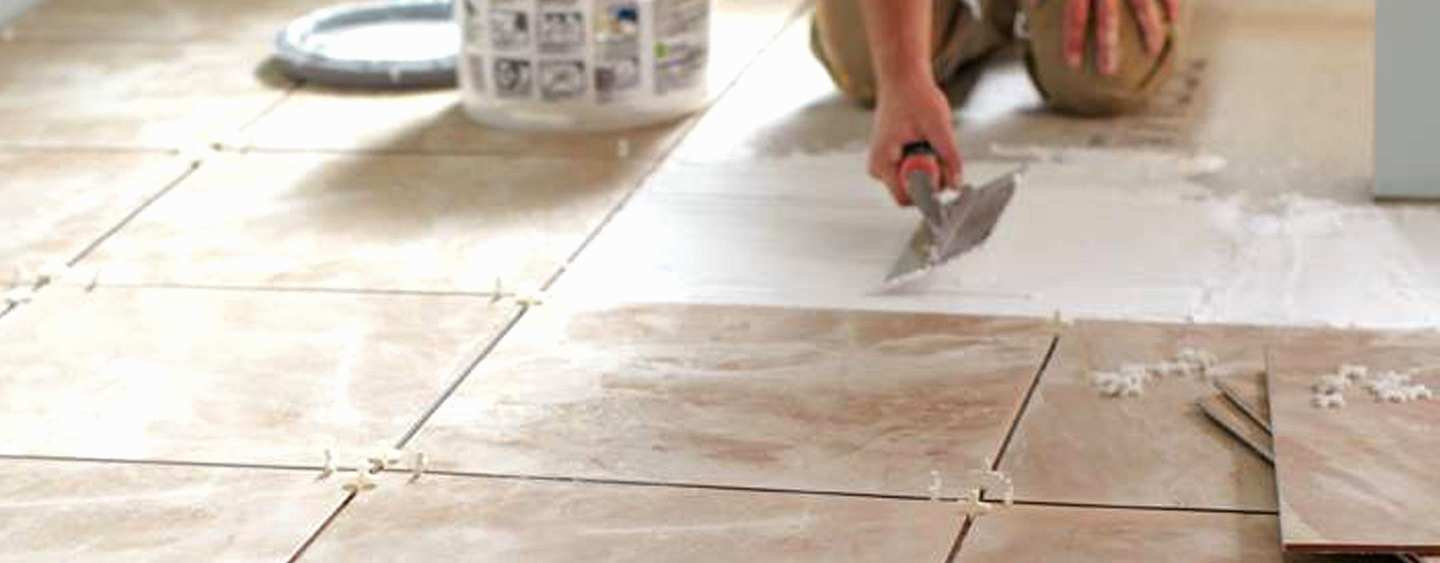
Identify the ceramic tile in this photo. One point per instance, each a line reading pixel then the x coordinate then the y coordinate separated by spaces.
pixel 220 376
pixel 1156 450
pixel 1247 392
pixel 1356 478
pixel 57 204
pixel 434 121
pixel 82 511
pixel 431 122
pixel 742 396
pixel 369 222
pixel 1032 533
pixel 252 21
pixel 503 520
pixel 150 95
pixel 1227 415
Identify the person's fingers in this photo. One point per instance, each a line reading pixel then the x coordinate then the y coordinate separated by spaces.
pixel 1151 26
pixel 1107 36
pixel 885 166
pixel 1172 11
pixel 1077 17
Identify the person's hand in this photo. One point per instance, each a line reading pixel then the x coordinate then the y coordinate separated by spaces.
pixel 1155 17
pixel 907 112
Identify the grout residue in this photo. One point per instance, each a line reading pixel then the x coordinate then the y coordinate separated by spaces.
pixel 1131 379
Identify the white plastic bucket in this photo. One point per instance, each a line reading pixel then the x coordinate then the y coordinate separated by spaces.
pixel 583 65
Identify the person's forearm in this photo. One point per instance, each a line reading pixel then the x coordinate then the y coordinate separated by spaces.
pixel 899 33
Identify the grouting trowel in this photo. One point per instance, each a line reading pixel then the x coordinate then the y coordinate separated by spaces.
pixel 949 228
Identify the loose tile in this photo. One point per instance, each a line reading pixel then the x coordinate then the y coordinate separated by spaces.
pixel 1357 478
pixel 1032 533
pixel 741 396
pixel 228 377
pixel 1247 392
pixel 135 95
pixel 57 204
pixel 1227 415
pixel 504 520
pixel 237 21
pixel 369 222
pixel 83 511
pixel 1157 450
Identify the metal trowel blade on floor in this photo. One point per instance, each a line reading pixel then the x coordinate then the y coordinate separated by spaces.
pixel 949 229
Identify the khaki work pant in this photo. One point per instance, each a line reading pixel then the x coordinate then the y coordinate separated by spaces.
pixel 963 39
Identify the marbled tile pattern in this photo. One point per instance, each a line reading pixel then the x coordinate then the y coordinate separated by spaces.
pixel 55 205
pixel 257 377
pixel 1363 476
pixel 440 516
pixel 369 222
pixel 151 95
pixel 797 399
pixel 86 511
pixel 1084 535
pixel 1155 450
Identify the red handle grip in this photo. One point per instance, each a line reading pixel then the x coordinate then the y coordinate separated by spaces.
pixel 921 157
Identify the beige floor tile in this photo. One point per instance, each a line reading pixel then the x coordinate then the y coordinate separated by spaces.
pixel 150 95
pixel 252 21
pixel 83 511
pixel 431 122
pixel 1358 478
pixel 57 204
pixel 1075 445
pixel 1033 534
pixel 370 222
pixel 501 520
pixel 219 376
pixel 798 399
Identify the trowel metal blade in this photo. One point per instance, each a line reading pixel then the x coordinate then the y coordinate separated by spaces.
pixel 968 222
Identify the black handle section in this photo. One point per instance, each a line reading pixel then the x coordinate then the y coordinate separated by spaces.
pixel 921 148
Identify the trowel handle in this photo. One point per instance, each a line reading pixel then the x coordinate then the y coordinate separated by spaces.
pixel 920 172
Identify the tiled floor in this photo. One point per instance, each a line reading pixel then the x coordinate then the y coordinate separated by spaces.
pixel 265 271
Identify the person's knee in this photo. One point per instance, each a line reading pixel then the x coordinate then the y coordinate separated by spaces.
pixel 837 38
pixel 1084 90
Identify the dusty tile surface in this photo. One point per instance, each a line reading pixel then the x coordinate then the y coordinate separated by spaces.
pixel 1029 533
pixel 152 95
pixel 1358 477
pixel 161 20
pixel 503 520
pixel 369 222
pixel 1075 445
pixel 80 511
pixel 799 399
pixel 58 204
pixel 219 376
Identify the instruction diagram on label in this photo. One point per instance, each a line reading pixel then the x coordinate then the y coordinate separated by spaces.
pixel 562 27
pixel 617 50
pixel 513 78
pixel 682 29
pixel 562 80
pixel 510 25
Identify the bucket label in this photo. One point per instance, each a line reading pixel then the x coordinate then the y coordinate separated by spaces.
pixel 562 80
pixel 562 27
pixel 617 50
pixel 681 44
pixel 510 25
pixel 512 78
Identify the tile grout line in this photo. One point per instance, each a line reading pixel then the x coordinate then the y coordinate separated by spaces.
pixel 112 231
pixel 309 541
pixel 1145 508
pixel 959 538
pixel 1025 404
pixel 664 156
pixel 461 378
pixel 159 462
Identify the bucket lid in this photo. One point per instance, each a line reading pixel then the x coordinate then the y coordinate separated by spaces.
pixel 408 43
